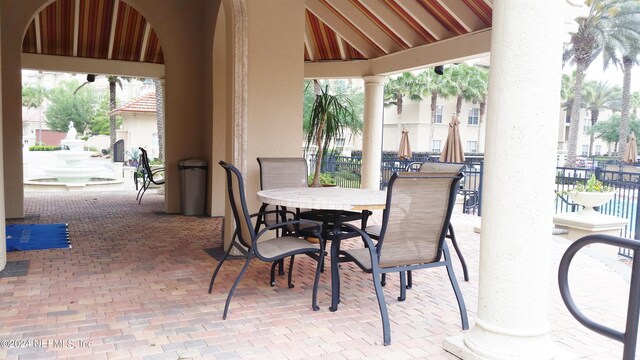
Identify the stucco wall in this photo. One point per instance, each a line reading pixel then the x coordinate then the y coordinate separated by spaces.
pixel 185 31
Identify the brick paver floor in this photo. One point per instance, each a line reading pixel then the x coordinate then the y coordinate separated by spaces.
pixel 134 285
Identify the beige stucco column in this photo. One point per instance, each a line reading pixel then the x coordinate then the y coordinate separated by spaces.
pixel 372 131
pixel 511 319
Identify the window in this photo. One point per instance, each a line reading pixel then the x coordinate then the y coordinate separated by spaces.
pixel 474 115
pixel 586 128
pixel 472 146
pixel 339 143
pixel 437 146
pixel 585 149
pixel 598 149
pixel 438 119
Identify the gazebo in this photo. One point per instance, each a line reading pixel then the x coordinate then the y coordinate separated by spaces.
pixel 233 72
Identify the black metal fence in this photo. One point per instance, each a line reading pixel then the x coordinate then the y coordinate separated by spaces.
pixel 346 171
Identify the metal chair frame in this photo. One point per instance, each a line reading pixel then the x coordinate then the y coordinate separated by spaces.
pixel 148 175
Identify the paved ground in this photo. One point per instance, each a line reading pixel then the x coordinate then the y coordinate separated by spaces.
pixel 134 285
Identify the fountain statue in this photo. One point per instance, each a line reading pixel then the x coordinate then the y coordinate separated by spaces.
pixel 74 171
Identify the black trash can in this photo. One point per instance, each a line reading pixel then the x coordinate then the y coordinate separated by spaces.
pixel 193 186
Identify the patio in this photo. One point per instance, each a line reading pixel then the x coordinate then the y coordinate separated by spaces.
pixel 134 285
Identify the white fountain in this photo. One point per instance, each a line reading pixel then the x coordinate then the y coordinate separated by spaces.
pixel 76 171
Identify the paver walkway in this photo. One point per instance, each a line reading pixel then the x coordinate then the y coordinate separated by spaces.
pixel 134 285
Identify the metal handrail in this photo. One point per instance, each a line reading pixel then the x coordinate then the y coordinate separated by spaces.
pixel 629 336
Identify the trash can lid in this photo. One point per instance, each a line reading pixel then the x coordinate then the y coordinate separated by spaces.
pixel 192 162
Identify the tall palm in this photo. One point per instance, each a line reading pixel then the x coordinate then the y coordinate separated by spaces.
pixel 399 88
pixel 330 115
pixel 32 98
pixel 113 81
pixel 567 86
pixel 160 116
pixel 599 95
pixel 436 86
pixel 607 19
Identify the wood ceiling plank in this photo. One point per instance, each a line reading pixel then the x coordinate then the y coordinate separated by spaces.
pixel 340 27
pixel 365 25
pixel 463 14
pixel 427 20
pixel 394 22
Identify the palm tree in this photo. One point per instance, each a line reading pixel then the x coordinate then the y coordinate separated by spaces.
pixel 599 95
pixel 395 91
pixel 607 20
pixel 159 86
pixel 113 81
pixel 628 46
pixel 32 98
pixel 436 86
pixel 330 115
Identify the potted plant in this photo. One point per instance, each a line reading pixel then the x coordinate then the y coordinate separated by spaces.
pixel 591 194
pixel 330 115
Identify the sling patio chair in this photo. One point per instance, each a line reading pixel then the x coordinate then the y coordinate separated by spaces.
pixel 429 167
pixel 276 173
pixel 252 245
pixel 149 176
pixel 415 222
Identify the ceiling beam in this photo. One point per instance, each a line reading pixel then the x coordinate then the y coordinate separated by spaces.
pixel 394 22
pixel 308 41
pixel 463 14
pixel 38 34
pixel 452 50
pixel 366 25
pixel 425 19
pixel 91 66
pixel 112 33
pixel 145 40
pixel 337 25
pixel 76 27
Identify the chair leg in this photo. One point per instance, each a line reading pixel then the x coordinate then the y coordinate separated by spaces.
pixel 456 288
pixel 454 242
pixel 383 282
pixel 215 272
pixel 233 288
pixel 272 281
pixel 316 281
pixel 386 330
pixel 291 286
pixel 281 267
pixel 403 287
pixel 409 280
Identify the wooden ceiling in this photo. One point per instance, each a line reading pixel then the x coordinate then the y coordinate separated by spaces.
pixel 336 30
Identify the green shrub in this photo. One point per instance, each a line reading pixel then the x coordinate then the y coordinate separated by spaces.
pixel 325 179
pixel 44 148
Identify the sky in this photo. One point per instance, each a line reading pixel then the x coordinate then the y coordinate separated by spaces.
pixel 612 75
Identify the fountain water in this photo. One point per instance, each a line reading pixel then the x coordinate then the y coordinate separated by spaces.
pixel 76 171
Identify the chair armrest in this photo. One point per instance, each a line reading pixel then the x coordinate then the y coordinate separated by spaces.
pixel 365 237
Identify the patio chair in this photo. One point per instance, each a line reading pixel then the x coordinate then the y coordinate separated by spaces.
pixel 414 225
pixel 276 173
pixel 149 176
pixel 428 167
pixel 252 245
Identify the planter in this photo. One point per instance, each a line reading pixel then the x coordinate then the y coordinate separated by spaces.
pixel 591 199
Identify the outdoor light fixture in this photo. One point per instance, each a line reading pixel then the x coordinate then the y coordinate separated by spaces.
pixel 439 69
pixel 91 77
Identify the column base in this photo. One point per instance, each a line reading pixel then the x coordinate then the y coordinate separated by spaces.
pixel 456 346
pixel 581 224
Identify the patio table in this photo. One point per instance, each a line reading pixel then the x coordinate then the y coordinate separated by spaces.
pixel 328 204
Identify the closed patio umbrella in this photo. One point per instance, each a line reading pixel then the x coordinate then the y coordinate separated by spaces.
pixel 631 153
pixel 404 152
pixel 452 150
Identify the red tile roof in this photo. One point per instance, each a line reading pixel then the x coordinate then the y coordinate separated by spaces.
pixel 144 104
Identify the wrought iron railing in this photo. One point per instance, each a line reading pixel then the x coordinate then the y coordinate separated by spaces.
pixel 629 337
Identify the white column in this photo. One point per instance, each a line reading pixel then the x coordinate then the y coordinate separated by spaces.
pixel 521 135
pixel 372 131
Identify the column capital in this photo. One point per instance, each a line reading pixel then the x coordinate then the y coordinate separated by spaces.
pixel 374 79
